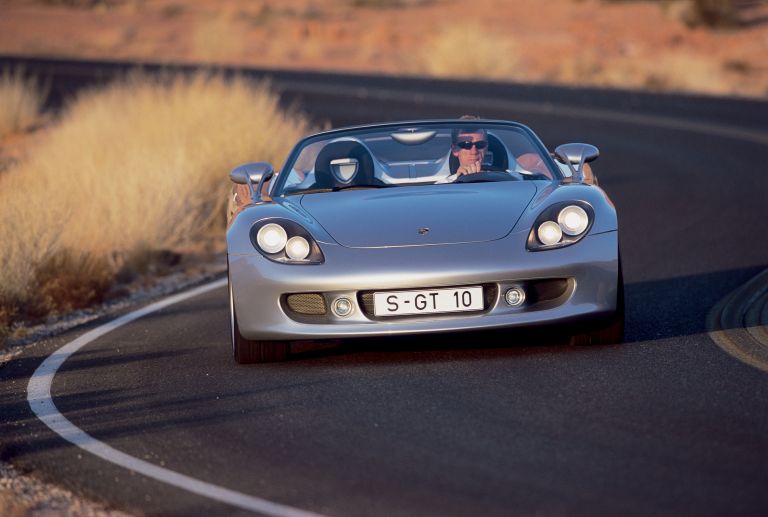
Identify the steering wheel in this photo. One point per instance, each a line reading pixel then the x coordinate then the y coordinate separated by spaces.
pixel 486 174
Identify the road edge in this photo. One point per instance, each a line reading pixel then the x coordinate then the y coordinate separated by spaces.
pixel 41 403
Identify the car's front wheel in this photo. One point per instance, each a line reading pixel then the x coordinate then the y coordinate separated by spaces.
pixel 247 351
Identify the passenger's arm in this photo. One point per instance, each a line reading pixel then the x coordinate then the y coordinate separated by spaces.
pixel 532 162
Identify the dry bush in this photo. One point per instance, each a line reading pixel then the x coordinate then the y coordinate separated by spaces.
pixel 388 4
pixel 686 72
pixel 7 315
pixel 468 51
pixel 710 13
pixel 670 71
pixel 713 14
pixel 218 38
pixel 81 4
pixel 137 166
pixel 67 280
pixel 21 100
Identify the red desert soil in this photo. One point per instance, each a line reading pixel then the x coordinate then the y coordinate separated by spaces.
pixel 640 44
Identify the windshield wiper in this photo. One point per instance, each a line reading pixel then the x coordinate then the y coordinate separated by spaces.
pixel 308 191
pixel 367 185
pixel 333 189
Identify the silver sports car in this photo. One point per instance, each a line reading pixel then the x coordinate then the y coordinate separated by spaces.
pixel 420 227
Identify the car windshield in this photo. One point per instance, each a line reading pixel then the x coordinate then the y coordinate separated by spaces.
pixel 415 154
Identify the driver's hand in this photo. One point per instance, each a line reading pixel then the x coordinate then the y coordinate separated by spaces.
pixel 470 168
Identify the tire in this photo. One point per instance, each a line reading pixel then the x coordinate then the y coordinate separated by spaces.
pixel 247 351
pixel 613 332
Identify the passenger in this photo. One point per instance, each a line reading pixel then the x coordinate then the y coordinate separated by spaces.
pixel 304 166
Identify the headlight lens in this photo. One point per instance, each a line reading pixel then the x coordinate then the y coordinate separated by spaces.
pixel 549 233
pixel 573 220
pixel 297 248
pixel 559 225
pixel 272 238
pixel 285 241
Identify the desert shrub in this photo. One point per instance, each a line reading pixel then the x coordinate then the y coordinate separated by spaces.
pixel 710 13
pixel 470 51
pixel 81 4
pixel 67 280
pixel 683 71
pixel 699 13
pixel 218 38
pixel 7 314
pixel 136 166
pixel 21 100
pixel 388 4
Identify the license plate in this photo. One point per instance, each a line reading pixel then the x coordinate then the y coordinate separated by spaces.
pixel 432 301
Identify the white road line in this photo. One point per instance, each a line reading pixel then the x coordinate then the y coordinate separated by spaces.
pixel 736 323
pixel 41 402
pixel 39 387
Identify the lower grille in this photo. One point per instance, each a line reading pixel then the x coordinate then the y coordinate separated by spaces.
pixel 545 290
pixel 306 303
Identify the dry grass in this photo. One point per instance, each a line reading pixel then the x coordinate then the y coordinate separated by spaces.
pixel 709 14
pixel 219 38
pixel 20 101
pixel 137 166
pixel 686 72
pixel 468 51
pixel 673 71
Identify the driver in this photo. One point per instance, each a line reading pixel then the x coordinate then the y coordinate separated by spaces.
pixel 469 147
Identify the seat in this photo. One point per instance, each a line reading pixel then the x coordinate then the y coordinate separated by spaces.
pixel 324 176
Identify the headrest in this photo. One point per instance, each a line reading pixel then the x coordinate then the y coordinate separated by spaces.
pixel 343 162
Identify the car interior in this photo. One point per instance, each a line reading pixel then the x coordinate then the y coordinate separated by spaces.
pixel 380 161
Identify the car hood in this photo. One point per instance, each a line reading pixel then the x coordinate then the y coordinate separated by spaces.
pixel 420 215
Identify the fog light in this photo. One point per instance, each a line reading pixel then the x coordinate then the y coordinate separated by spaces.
pixel 342 307
pixel 515 296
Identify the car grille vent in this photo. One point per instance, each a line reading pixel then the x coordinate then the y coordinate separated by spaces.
pixel 306 303
pixel 546 290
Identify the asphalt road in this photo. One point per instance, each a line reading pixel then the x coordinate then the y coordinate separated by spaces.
pixel 468 424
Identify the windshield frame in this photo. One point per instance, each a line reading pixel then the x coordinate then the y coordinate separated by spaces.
pixel 276 188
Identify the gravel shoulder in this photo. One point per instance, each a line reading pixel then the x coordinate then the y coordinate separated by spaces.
pixel 24 495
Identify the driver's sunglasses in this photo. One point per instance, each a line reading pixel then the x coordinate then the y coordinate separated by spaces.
pixel 467 144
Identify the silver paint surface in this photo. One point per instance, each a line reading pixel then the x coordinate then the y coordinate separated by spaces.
pixel 371 240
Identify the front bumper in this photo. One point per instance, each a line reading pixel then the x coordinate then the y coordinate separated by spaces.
pixel 259 286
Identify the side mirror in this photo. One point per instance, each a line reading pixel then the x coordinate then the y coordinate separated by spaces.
pixel 252 174
pixel 576 155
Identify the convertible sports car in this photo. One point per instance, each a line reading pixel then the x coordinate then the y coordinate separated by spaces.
pixel 419 227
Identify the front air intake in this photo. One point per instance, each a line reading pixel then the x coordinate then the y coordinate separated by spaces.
pixel 307 304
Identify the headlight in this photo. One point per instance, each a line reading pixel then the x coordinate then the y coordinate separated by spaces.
pixel 573 220
pixel 272 238
pixel 297 248
pixel 285 241
pixel 549 233
pixel 561 224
